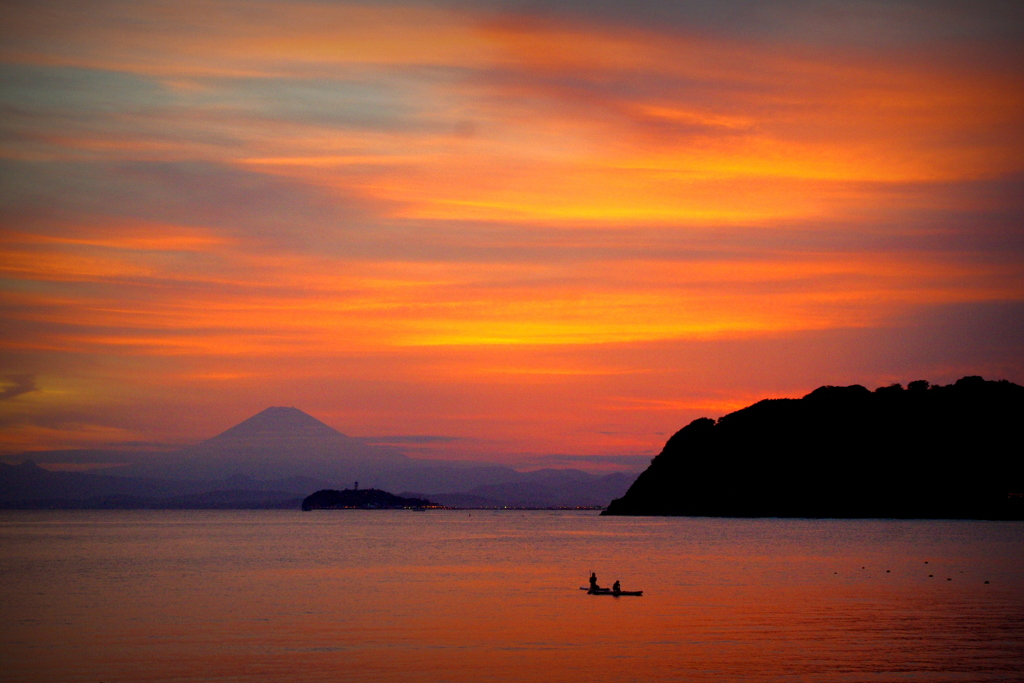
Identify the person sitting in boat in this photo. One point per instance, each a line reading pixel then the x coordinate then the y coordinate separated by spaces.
pixel 593 583
pixel 616 587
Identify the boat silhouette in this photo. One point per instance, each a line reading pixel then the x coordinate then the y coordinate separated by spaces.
pixel 609 591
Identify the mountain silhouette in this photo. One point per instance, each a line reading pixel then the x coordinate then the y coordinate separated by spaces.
pixel 278 423
pixel 275 443
pixel 285 450
pixel 291 432
pixel 922 452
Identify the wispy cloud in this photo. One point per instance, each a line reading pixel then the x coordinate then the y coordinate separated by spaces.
pixel 410 439
pixel 16 385
pixel 508 226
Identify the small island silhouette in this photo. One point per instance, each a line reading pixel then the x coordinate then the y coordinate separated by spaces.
pixel 926 452
pixel 359 499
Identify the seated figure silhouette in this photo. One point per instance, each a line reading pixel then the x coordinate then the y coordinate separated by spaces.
pixel 593 583
pixel 616 587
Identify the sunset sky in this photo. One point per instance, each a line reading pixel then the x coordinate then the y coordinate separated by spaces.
pixel 535 233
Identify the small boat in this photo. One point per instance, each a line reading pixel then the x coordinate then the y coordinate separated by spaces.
pixel 609 591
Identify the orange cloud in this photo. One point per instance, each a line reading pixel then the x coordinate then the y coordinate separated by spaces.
pixel 508 211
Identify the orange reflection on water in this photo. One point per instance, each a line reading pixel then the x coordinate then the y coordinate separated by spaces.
pixel 463 596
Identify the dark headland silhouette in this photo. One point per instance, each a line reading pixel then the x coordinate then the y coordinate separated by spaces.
pixel 926 452
pixel 359 499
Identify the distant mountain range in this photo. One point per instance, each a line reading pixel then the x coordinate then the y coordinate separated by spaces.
pixel 280 455
pixel 949 451
pixel 547 488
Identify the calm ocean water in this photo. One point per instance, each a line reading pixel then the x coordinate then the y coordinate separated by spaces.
pixel 493 596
